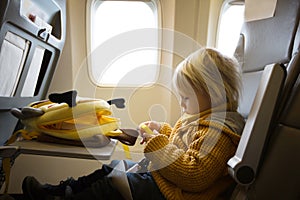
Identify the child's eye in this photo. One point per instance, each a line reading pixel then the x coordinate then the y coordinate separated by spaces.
pixel 184 98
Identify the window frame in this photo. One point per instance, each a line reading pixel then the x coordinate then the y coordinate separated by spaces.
pixel 225 6
pixel 154 5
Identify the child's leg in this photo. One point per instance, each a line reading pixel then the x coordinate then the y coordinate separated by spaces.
pixel 86 181
pixel 100 189
pixel 143 186
pixel 35 190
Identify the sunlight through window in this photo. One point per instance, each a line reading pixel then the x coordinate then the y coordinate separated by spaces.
pixel 114 31
pixel 231 21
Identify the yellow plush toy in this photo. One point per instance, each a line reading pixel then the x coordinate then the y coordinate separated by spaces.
pixel 66 118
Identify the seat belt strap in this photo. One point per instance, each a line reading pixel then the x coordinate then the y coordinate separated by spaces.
pixel 6 168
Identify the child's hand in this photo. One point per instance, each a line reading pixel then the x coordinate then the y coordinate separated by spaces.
pixel 153 125
pixel 148 130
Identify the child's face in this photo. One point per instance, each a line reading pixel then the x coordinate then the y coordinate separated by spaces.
pixel 193 103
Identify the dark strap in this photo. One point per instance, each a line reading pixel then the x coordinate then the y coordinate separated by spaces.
pixel 128 136
pixel 66 97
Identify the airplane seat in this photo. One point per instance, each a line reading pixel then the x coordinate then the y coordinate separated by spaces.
pixel 279 174
pixel 265 165
pixel 32 36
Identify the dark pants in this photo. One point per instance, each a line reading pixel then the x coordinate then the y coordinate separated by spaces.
pixel 98 186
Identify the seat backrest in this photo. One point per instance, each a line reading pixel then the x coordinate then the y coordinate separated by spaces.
pixel 265 42
pixel 265 165
pixel 32 36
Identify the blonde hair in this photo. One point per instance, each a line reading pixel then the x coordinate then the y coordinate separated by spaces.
pixel 207 70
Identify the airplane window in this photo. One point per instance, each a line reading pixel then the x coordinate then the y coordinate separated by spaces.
pixel 123 42
pixel 231 19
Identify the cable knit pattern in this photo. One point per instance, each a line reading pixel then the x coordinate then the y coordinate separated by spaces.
pixel 190 160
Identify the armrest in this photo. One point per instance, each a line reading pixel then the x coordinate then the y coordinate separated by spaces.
pixel 244 165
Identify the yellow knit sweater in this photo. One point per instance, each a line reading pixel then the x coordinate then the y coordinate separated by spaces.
pixel 189 161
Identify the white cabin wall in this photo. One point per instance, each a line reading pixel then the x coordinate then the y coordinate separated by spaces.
pixel 74 50
pixel 213 19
